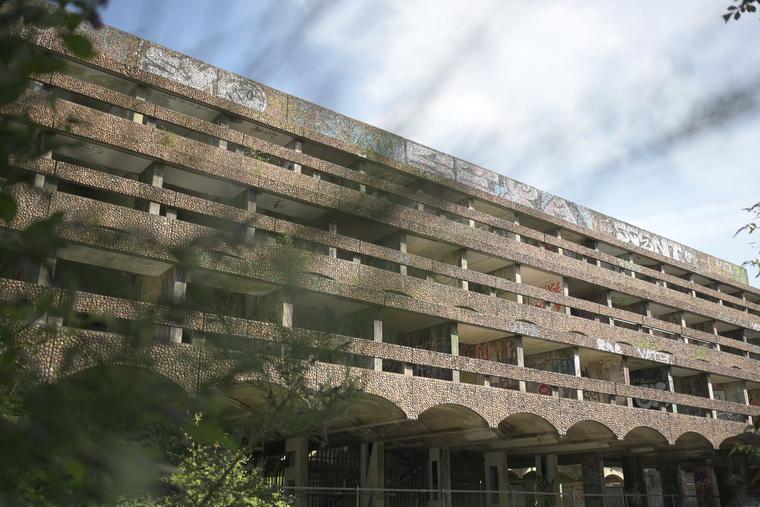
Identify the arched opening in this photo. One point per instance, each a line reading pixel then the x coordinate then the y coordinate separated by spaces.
pixel 589 431
pixel 526 425
pixel 645 436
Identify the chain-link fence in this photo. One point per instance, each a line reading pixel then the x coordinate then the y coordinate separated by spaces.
pixel 387 497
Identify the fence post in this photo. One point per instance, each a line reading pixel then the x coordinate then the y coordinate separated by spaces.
pixel 358 500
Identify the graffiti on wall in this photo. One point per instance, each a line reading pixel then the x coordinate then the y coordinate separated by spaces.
pixel 653 378
pixel 436 339
pixel 248 93
pixel 195 74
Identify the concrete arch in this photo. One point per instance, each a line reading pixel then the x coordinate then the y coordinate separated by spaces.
pixel 693 440
pixel 526 424
pixel 452 416
pixel 645 435
pixel 588 430
pixel 730 442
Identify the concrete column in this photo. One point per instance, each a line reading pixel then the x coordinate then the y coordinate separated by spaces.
pixel 594 245
pixel 41 274
pixel 332 229
pixel 377 336
pixel 745 394
pixel 627 379
pixel 497 478
pixel 177 287
pixel 462 263
pixel 577 368
pixel 661 269
pixel 372 473
pixel 593 480
pixel 672 486
pixel 470 204
pixel 566 293
pixel 634 484
pixel 515 276
pixel 408 370
pixel 154 176
pixel 547 468
pixel 648 313
pixel 297 146
pixel 520 352
pixel 690 278
pixel 139 93
pixel 287 313
pixel 247 200
pixel 439 472
pixel 222 121
pixel 517 222
pixel 558 233
pixel 402 249
pixel 296 472
pixel 671 388
pixel 454 341
pixel 713 413
pixel 362 169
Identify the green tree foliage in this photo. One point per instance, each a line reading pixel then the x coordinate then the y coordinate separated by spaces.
pixel 110 428
pixel 734 12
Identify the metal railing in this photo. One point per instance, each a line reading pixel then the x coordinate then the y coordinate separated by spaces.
pixel 391 497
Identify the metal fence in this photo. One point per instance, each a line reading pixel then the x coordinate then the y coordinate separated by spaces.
pixel 387 497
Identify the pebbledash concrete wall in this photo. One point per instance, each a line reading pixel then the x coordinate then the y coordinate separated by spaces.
pixel 283 110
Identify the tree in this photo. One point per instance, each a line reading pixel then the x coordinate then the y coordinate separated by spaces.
pixel 734 12
pixel 109 430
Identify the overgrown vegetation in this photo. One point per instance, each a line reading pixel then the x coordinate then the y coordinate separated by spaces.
pixel 84 419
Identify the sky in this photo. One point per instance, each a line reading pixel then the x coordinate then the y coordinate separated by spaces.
pixel 646 111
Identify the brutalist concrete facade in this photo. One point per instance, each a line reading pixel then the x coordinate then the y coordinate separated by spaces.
pixel 547 345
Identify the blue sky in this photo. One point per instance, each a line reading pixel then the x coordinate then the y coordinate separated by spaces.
pixel 646 111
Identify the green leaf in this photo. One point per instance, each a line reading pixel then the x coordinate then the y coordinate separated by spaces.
pixel 7 207
pixel 79 45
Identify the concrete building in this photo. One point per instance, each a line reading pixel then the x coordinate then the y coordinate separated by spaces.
pixel 511 340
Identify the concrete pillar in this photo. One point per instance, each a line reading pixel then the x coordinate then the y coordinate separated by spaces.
pixel 745 394
pixel 577 368
pixel 497 479
pixel 332 229
pixel 520 352
pixel 439 472
pixel 713 413
pixel 648 313
pixel 627 380
pixel 296 472
pixel 517 222
pixel 377 336
pixel 470 204
pixel 634 484
pixel 41 274
pixel 547 468
pixel 154 176
pixel 402 249
pixel 672 487
pixel 566 293
pixel 593 481
pixel 514 274
pixel 297 146
pixel 661 269
pixel 558 234
pixel 672 389
pixel 454 341
pixel 462 263
pixel 372 473
pixel 222 121
pixel 139 93
pixel 247 201
pixel 177 290
pixel 362 169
